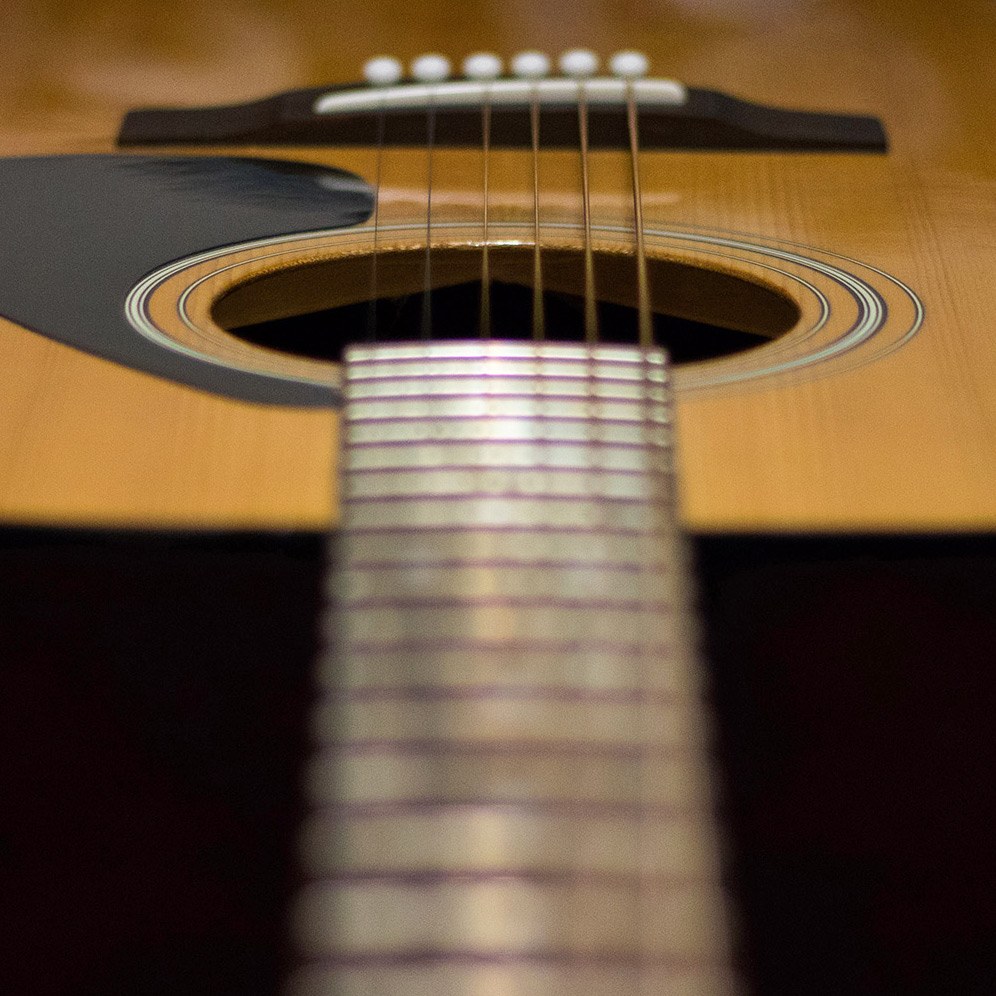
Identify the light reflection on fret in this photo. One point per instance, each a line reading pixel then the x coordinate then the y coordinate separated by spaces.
pixel 432 482
pixel 483 579
pixel 578 455
pixel 543 386
pixel 491 405
pixel 510 784
pixel 523 977
pixel 497 719
pixel 600 667
pixel 492 838
pixel 577 430
pixel 517 917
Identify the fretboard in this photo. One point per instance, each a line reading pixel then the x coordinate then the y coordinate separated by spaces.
pixel 510 785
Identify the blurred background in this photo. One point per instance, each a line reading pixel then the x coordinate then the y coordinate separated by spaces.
pixel 74 67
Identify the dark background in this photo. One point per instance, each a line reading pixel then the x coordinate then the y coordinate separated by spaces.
pixel 153 694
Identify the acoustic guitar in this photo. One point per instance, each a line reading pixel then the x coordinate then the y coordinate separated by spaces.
pixel 414 413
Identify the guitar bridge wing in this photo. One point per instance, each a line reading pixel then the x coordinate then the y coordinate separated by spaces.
pixel 672 116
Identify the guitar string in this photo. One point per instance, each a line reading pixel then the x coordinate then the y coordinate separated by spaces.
pixel 644 320
pixel 485 329
pixel 430 141
pixel 590 312
pixel 539 324
pixel 378 172
pixel 645 326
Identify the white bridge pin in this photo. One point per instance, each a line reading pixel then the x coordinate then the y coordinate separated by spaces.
pixel 629 65
pixel 382 71
pixel 579 63
pixel 531 65
pixel 431 68
pixel 482 66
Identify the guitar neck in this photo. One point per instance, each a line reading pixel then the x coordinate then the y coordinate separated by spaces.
pixel 510 785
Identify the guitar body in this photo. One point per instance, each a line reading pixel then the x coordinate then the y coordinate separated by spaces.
pixel 877 438
pixel 844 464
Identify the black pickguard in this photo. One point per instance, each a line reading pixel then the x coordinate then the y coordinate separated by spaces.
pixel 78 232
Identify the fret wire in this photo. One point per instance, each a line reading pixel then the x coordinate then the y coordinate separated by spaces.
pixel 414 711
pixel 408 785
pixel 539 328
pixel 645 319
pixel 590 312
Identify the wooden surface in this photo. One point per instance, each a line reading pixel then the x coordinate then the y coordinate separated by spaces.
pixel 902 441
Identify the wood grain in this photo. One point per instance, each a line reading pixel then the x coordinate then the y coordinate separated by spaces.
pixel 902 442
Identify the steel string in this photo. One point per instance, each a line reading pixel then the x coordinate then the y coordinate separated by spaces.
pixel 485 325
pixel 430 141
pixel 372 310
pixel 539 325
pixel 590 310
pixel 645 324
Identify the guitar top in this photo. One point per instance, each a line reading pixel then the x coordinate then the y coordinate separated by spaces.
pixel 858 397
pixel 542 313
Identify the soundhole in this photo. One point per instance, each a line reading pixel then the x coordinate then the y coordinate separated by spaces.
pixel 316 309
